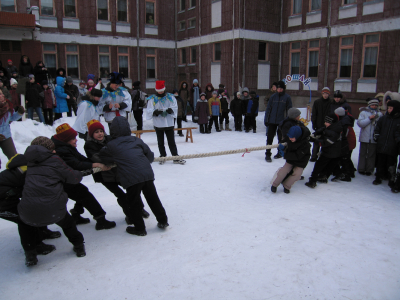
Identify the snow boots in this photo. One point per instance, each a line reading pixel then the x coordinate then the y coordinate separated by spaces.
pixel 102 223
pixel 311 184
pixel 162 225
pixel 44 249
pixel 273 189
pixel 135 231
pixel 30 258
pixel 79 250
pixel 78 218
pixel 47 234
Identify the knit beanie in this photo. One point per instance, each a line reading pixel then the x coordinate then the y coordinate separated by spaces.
pixel 220 91
pixel 195 81
pixel 96 93
pixel 281 85
pixel 90 77
pixel 340 111
pixel 293 113
pixel 65 133
pixel 69 79
pixel 373 102
pixel 44 141
pixel 331 118
pixel 294 132
pixel 93 125
pixel 326 90
pixel 13 81
pixel 338 94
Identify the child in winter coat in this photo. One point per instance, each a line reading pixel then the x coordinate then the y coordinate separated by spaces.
pixel 225 110
pixel 214 106
pixel 133 159
pixel 251 112
pixel 96 140
pixel 237 111
pixel 329 138
pixel 387 139
pixel 49 102
pixel 82 91
pixel 44 201
pixel 367 121
pixel 15 99
pixel 61 98
pixel 202 114
pixel 297 154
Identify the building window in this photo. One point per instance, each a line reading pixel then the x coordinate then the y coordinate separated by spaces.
pixel 346 56
pixel 72 61
pixel 7 46
pixel 370 55
pixel 123 61
pixel 345 2
pixel 150 12
pixel 313 58
pixel 295 58
pixel 104 61
pixel 7 5
pixel 192 23
pixel 192 3
pixel 182 25
pixel 102 10
pixel 193 55
pixel 122 11
pixel 262 51
pixel 296 5
pixel 70 8
pixel 150 63
pixel 315 4
pixel 182 5
pixel 217 52
pixel 47 7
pixel 50 58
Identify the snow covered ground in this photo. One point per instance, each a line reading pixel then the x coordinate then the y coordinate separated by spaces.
pixel 229 236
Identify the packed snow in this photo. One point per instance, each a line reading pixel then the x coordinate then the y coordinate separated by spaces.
pixel 229 236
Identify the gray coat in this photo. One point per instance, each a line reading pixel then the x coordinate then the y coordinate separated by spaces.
pixel 44 201
pixel 367 126
pixel 278 106
pixel 131 154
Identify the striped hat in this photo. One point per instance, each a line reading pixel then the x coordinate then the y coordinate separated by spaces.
pixel 93 125
pixel 65 133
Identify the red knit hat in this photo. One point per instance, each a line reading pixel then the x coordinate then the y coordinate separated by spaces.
pixel 160 86
pixel 93 125
pixel 65 133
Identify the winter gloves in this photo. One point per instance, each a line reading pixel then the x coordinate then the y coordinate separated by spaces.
pixel 157 112
pixel 170 111
pixel 21 110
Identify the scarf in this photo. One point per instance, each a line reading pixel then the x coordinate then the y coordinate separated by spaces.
pixel 4 108
pixel 113 94
pixel 196 96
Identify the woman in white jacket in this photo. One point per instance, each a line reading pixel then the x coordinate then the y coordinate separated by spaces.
pixel 367 121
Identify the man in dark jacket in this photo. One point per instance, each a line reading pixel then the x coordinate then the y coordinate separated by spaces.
pixel 40 72
pixel 133 158
pixel 339 101
pixel 44 201
pixel 33 98
pixel 137 104
pixel 320 109
pixel 25 66
pixel 276 112
pixel 73 92
pixel 237 111
pixel 65 146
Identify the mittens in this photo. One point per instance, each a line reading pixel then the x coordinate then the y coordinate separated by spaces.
pixel 21 110
pixel 170 111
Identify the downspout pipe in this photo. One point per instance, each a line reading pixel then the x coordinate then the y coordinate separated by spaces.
pixel 328 40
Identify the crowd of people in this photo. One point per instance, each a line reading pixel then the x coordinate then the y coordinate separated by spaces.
pixel 36 185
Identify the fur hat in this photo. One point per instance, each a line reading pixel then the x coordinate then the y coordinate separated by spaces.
pixel 326 90
pixel 160 86
pixel 96 93
pixel 331 118
pixel 44 141
pixel 93 125
pixel 116 78
pixel 373 102
pixel 13 81
pixel 392 96
pixel 281 85
pixel 340 111
pixel 337 94
pixel 65 133
pixel 293 113
pixel 294 132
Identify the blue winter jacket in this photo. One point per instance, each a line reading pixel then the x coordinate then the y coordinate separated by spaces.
pixel 61 96
pixel 5 123
pixel 277 108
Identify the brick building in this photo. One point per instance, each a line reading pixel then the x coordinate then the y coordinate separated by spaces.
pixel 349 45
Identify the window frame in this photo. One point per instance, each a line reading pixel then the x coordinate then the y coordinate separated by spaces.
pixel 40 8
pixel 266 50
pixel 190 4
pixel 310 6
pixel 370 45
pixel 155 63
pixel 341 47
pixel 76 10
pixel 125 55
pixel 214 59
pixel 15 7
pixel 291 51
pixel 191 55
pixel 127 11
pixel 345 4
pixel 182 22
pixel 103 54
pixel 180 5
pixel 292 7
pixel 314 49
pixel 108 11
pixel 189 20
pixel 50 52
pixel 155 12
pixel 72 53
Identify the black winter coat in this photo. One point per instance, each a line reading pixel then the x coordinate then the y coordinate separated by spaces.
pixel 72 91
pixel 12 181
pixel 32 94
pixel 131 154
pixel 330 140
pixel 202 112
pixel 321 108
pixel 236 107
pixel 277 109
pixel 25 69
pixel 39 73
pixel 224 104
pixel 346 121
pixel 298 153
pixel 44 201
pixel 342 103
pixel 71 156
pixel 388 129
pixel 285 125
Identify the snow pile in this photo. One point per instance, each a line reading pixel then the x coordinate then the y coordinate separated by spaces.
pixel 229 236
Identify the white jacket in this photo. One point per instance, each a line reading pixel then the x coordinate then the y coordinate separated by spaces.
pixel 168 101
pixel 86 112
pixel 367 125
pixel 121 95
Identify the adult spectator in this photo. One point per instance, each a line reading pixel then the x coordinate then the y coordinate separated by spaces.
pixel 25 66
pixel 33 99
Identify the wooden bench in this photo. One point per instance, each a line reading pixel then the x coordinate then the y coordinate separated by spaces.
pixel 189 134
